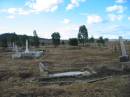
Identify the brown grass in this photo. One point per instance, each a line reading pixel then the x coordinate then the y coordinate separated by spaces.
pixel 19 74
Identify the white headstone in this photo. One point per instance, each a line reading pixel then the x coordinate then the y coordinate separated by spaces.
pixel 14 48
pixel 123 50
pixel 27 50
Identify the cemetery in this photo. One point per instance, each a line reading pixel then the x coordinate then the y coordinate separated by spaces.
pixel 64 48
pixel 65 67
pixel 30 69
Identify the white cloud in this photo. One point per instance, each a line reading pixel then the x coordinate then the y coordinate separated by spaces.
pixel 68 31
pixel 121 1
pixel 114 17
pixel 12 10
pixel 43 5
pixel 92 19
pixel 34 6
pixel 116 8
pixel 11 16
pixel 109 30
pixel 129 18
pixel 54 8
pixel 66 21
pixel 74 3
pixel 21 11
pixel 16 11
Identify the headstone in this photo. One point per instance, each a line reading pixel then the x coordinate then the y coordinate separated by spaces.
pixel 27 50
pixel 43 70
pixel 16 49
pixel 13 48
pixel 124 57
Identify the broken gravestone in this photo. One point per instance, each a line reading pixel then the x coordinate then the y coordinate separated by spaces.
pixel 43 70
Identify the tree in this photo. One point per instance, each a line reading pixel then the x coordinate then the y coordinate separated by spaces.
pixel 4 42
pixel 106 39
pixel 83 34
pixel 73 41
pixel 91 40
pixel 62 42
pixel 36 41
pixel 22 40
pixel 101 41
pixel 13 38
pixel 7 39
pixel 56 38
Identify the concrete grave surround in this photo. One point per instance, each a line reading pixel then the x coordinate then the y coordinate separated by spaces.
pixel 27 53
pixel 44 72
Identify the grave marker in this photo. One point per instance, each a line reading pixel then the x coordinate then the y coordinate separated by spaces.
pixel 124 57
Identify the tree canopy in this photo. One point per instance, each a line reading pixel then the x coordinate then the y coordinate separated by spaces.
pixel 73 41
pixel 36 42
pixel 91 40
pixel 83 34
pixel 56 38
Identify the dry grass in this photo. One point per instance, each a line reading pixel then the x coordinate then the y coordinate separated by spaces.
pixel 18 73
pixel 114 87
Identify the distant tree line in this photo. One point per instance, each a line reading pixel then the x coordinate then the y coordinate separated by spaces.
pixel 8 39
pixel 81 39
pixel 73 41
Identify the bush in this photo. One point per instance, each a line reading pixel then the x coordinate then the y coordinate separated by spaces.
pixel 73 41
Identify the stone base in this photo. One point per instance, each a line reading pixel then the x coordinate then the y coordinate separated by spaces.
pixel 124 58
pixel 29 55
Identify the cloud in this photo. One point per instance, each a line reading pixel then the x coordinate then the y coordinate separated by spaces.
pixel 121 1
pixel 114 17
pixel 21 11
pixel 129 18
pixel 43 5
pixel 110 30
pixel 92 19
pixel 116 8
pixel 116 30
pixel 11 17
pixel 34 6
pixel 68 31
pixel 66 21
pixel 73 3
pixel 12 10
pixel 16 11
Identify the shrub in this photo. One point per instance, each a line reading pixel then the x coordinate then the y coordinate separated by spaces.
pixel 73 41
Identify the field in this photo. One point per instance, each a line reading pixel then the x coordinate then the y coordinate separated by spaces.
pixel 17 77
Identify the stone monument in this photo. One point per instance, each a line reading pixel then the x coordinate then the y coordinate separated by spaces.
pixel 26 50
pixel 124 57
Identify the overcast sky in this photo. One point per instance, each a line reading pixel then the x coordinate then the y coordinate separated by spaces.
pixel 107 18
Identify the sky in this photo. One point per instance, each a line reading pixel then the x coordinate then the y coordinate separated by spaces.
pixel 107 18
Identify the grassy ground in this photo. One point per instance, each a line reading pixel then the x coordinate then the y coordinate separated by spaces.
pixel 16 76
pixel 114 87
